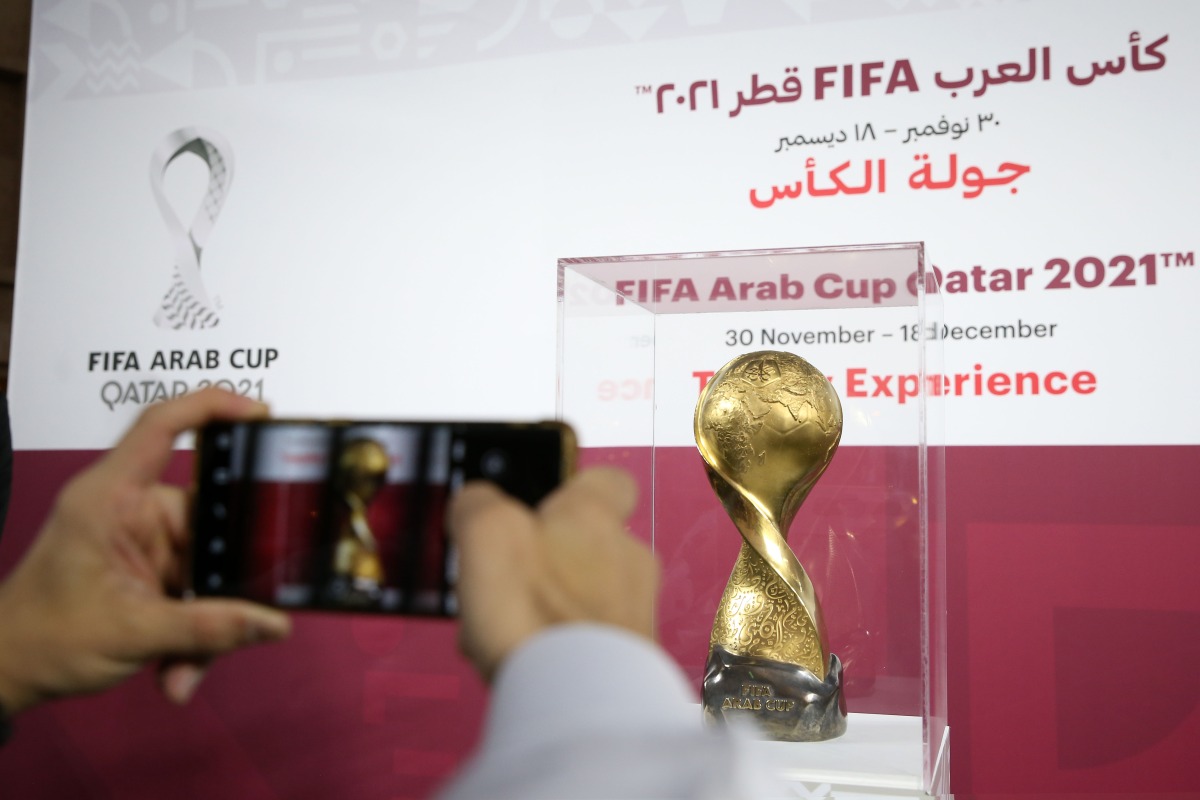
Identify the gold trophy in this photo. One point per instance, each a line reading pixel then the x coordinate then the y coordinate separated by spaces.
pixel 357 569
pixel 767 425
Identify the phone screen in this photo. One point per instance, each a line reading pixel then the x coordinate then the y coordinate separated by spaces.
pixel 351 515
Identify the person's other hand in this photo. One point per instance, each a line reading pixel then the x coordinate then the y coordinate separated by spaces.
pixel 91 601
pixel 571 560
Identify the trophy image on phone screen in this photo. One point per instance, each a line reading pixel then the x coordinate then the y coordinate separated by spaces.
pixel 767 425
pixel 358 575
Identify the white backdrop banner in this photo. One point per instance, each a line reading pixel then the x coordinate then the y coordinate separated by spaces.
pixel 408 175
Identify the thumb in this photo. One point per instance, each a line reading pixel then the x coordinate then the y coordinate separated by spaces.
pixel 201 629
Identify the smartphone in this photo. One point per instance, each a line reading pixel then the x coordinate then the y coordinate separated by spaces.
pixel 350 516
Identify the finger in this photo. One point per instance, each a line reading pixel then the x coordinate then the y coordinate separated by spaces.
pixel 494 536
pixel 591 558
pixel 210 627
pixel 475 501
pixel 145 449
pixel 604 491
pixel 161 529
pixel 497 568
pixel 172 503
pixel 178 680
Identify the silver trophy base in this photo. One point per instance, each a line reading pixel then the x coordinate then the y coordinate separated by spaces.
pixel 787 702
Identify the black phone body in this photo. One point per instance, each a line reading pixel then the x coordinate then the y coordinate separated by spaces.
pixel 350 516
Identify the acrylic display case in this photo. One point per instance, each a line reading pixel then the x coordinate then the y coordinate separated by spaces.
pixel 639 336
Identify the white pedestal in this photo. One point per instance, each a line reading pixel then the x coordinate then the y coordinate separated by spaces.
pixel 879 756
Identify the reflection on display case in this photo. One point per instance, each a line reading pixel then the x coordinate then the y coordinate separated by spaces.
pixel 639 339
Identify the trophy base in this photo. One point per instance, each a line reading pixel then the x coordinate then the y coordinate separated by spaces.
pixel 788 703
pixel 352 593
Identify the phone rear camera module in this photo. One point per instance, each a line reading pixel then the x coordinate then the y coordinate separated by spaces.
pixel 493 464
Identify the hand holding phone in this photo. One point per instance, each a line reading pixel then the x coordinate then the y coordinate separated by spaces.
pixel 350 515
pixel 571 560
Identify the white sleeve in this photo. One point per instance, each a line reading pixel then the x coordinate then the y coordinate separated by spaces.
pixel 590 710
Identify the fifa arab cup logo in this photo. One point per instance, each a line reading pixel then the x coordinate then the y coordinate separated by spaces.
pixel 186 303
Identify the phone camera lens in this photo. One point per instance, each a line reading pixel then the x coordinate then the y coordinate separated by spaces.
pixel 219 511
pixel 223 441
pixel 493 464
pixel 214 581
pixel 216 546
pixel 220 476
